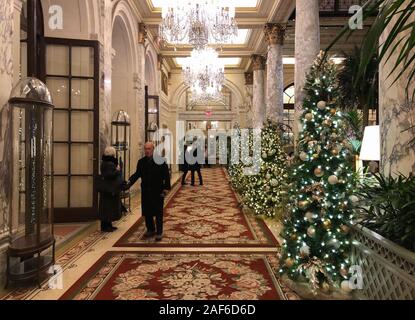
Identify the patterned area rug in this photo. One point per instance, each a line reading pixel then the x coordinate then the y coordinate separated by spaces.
pixel 205 216
pixel 181 276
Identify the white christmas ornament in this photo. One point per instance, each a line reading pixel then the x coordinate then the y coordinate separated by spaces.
pixel 303 156
pixel 309 216
pixel 354 198
pixel 305 250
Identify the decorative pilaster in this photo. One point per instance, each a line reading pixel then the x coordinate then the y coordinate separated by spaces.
pixel 397 115
pixel 9 14
pixel 106 55
pixel 258 105
pixel 307 47
pixel 274 36
pixel 139 82
pixel 249 83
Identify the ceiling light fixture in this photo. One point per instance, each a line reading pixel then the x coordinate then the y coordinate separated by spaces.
pixel 204 73
pixel 198 22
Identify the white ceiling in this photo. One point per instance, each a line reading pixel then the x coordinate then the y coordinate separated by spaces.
pixel 251 16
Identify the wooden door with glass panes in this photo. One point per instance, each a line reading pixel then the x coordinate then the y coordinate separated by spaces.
pixel 71 74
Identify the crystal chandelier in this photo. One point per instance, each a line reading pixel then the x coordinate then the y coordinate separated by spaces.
pixel 197 22
pixel 204 73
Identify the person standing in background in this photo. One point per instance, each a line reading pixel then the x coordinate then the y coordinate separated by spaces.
pixel 111 184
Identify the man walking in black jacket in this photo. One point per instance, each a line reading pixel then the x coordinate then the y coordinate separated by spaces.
pixel 155 181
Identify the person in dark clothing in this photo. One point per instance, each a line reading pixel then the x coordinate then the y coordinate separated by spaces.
pixel 185 166
pixel 155 181
pixel 195 167
pixel 109 200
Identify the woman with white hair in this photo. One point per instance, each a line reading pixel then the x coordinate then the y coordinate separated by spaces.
pixel 109 188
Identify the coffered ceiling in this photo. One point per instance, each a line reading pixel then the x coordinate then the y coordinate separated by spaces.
pixel 251 17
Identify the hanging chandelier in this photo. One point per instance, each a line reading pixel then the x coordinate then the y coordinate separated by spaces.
pixel 197 22
pixel 204 73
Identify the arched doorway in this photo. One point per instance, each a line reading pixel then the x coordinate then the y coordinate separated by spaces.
pixel 124 65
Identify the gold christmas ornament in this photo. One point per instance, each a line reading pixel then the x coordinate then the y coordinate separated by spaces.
pixel 343 206
pixel 333 179
pixel 322 105
pixel 289 262
pixel 315 156
pixel 327 122
pixel 325 287
pixel 293 237
pixel 327 224
pixel 311 231
pixel 303 204
pixel 344 272
pixel 335 152
pixel 318 172
pixel 345 229
pixel 333 111
pixel 309 116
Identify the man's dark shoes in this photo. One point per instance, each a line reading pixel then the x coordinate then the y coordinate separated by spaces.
pixel 159 237
pixel 149 234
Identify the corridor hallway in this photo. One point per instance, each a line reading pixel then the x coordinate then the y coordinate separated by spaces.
pixel 211 250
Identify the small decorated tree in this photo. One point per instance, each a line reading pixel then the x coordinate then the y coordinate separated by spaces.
pixel 264 192
pixel 235 167
pixel 316 234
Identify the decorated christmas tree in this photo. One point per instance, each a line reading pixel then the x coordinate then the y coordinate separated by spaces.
pixel 235 167
pixel 265 191
pixel 316 233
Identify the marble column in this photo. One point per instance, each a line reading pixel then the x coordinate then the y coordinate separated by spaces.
pixel 258 103
pixel 307 47
pixel 105 64
pixel 397 116
pixel 249 84
pixel 274 36
pixel 140 81
pixel 10 11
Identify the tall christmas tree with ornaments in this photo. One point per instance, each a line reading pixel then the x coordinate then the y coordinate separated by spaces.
pixel 316 233
pixel 235 167
pixel 264 192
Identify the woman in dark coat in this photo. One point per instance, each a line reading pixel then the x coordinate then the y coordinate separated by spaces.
pixel 109 200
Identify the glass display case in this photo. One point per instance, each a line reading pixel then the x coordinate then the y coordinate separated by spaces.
pixel 152 111
pixel 32 246
pixel 120 140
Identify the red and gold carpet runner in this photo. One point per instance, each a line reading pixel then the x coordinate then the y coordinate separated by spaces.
pixel 205 216
pixel 210 250
pixel 208 217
